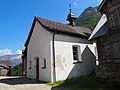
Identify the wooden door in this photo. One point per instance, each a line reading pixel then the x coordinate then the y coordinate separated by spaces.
pixel 37 68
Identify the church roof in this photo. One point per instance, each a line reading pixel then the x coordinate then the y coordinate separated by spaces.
pixel 63 28
pixel 57 27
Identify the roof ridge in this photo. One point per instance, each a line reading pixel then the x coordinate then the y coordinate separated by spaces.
pixel 37 17
pixel 43 19
pixel 53 25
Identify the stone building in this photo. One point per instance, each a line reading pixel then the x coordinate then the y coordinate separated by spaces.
pixel 5 67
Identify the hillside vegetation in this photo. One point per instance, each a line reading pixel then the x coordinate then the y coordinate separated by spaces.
pixel 17 70
pixel 89 18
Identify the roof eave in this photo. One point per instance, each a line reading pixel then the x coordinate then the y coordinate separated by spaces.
pixel 31 30
pixel 71 34
pixel 102 25
pixel 95 38
pixel 100 8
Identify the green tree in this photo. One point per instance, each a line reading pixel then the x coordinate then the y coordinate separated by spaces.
pixel 17 70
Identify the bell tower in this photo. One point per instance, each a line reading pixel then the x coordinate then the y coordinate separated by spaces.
pixel 71 17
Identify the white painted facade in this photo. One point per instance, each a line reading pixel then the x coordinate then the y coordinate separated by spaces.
pixel 65 65
pixel 41 46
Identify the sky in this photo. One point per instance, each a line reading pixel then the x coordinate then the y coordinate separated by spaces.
pixel 16 17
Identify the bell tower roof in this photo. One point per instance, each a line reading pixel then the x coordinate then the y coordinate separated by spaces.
pixel 71 17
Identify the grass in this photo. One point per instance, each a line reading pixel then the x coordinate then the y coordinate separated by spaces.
pixel 57 83
pixel 88 83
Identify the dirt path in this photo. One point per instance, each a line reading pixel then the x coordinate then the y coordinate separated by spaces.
pixel 21 83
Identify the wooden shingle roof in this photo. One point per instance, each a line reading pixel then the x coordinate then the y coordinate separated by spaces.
pixel 57 27
pixel 60 27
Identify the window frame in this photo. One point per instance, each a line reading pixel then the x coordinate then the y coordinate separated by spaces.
pixel 30 67
pixel 78 54
pixel 44 63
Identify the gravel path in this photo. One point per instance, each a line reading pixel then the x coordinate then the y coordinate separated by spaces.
pixel 21 83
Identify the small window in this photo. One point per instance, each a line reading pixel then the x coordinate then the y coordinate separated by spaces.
pixel 76 53
pixel 44 63
pixel 30 65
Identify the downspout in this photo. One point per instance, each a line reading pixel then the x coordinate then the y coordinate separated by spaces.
pixel 53 44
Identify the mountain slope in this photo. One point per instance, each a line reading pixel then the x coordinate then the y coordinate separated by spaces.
pixel 15 59
pixel 17 70
pixel 89 18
